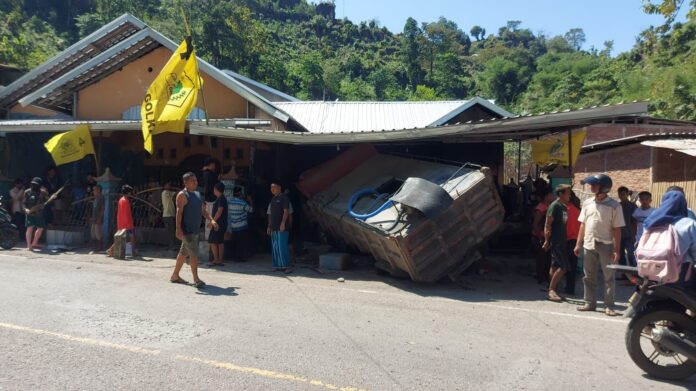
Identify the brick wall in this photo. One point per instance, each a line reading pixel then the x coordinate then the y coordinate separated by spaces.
pixel 628 166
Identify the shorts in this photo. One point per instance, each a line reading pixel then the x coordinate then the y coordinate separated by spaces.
pixel 35 221
pixel 96 232
pixel 559 256
pixel 216 237
pixel 189 246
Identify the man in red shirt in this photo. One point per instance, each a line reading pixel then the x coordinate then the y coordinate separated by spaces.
pixel 543 258
pixel 124 218
pixel 572 229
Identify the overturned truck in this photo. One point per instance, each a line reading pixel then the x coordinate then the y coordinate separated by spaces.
pixel 423 218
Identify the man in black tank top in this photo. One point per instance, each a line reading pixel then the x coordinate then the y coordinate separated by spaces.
pixel 189 210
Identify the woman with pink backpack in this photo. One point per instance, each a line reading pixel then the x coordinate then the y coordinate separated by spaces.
pixel 667 248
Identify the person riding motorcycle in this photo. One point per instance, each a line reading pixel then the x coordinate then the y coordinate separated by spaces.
pixel 661 337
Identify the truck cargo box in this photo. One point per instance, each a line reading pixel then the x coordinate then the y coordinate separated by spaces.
pixel 424 218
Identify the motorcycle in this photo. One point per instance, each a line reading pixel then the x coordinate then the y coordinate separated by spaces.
pixel 661 336
pixel 9 235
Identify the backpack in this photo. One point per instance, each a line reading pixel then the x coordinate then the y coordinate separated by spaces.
pixel 659 256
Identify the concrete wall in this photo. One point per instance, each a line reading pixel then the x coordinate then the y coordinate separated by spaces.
pixel 111 96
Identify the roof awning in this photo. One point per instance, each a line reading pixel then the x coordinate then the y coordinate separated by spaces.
pixel 496 130
pixel 687 146
pixel 52 126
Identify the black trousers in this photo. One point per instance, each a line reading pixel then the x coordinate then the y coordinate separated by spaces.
pixel 239 244
pixel 543 260
pixel 571 275
pixel 18 219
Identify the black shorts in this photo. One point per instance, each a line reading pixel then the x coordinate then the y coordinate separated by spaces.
pixel 559 256
pixel 216 237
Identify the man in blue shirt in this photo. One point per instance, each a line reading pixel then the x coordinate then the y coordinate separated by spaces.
pixel 238 211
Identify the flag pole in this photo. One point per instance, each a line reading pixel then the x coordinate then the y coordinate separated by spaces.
pixel 200 85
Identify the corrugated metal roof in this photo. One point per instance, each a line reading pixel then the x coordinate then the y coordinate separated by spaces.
pixel 264 90
pixel 493 130
pixel 353 117
pixel 684 146
pixel 688 134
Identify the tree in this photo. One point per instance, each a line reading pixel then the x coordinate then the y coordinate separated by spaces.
pixel 575 38
pixel 423 93
pixel 513 25
pixel 27 42
pixel 410 52
pixel 504 80
pixel 608 47
pixel 669 8
pixel 478 32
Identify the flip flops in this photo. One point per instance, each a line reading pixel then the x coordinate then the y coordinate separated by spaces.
pixel 200 284
pixel 179 281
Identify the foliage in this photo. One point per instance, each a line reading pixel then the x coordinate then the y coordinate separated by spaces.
pixel 301 48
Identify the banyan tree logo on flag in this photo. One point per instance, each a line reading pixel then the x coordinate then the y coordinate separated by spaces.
pixel 179 89
pixel 68 147
pixel 557 150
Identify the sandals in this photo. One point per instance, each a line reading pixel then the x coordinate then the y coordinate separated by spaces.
pixel 587 308
pixel 179 281
pixel 200 284
pixel 610 312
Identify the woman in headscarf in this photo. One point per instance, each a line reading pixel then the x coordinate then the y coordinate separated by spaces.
pixel 673 210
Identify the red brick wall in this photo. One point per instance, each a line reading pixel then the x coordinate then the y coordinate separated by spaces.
pixel 628 166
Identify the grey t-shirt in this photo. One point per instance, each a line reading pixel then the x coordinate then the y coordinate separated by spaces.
pixel 278 204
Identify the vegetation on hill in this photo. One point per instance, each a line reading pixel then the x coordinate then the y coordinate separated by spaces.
pixel 301 48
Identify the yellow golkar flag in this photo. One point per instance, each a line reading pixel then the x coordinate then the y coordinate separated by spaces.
pixel 172 95
pixel 70 146
pixel 555 149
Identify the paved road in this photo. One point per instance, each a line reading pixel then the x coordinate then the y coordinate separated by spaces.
pixel 87 322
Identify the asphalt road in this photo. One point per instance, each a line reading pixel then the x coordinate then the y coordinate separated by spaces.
pixel 88 322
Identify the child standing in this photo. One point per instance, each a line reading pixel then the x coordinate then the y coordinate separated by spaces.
pixel 642 213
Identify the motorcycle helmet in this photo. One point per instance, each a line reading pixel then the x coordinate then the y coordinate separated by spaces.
pixel 36 181
pixel 603 180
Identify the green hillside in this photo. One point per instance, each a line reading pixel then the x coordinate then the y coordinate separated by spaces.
pixel 302 49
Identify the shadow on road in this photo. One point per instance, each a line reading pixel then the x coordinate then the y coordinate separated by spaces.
pixel 212 290
pixel 500 277
pixel 688 384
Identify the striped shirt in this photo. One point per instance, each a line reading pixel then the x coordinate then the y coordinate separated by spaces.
pixel 237 214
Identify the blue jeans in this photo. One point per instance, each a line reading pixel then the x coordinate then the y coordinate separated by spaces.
pixel 628 251
pixel 280 250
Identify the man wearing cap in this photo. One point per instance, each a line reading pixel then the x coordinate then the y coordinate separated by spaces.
pixel 35 198
pixel 555 239
pixel 601 220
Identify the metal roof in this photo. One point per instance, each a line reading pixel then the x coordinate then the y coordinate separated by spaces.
pixel 687 146
pixel 58 125
pixel 264 90
pixel 495 130
pixel 636 139
pixel 353 117
pixel 101 53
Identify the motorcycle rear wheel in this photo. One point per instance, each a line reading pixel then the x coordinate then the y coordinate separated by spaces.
pixel 8 238
pixel 640 328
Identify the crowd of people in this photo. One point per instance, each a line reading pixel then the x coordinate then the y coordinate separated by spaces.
pixel 603 231
pixel 225 219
